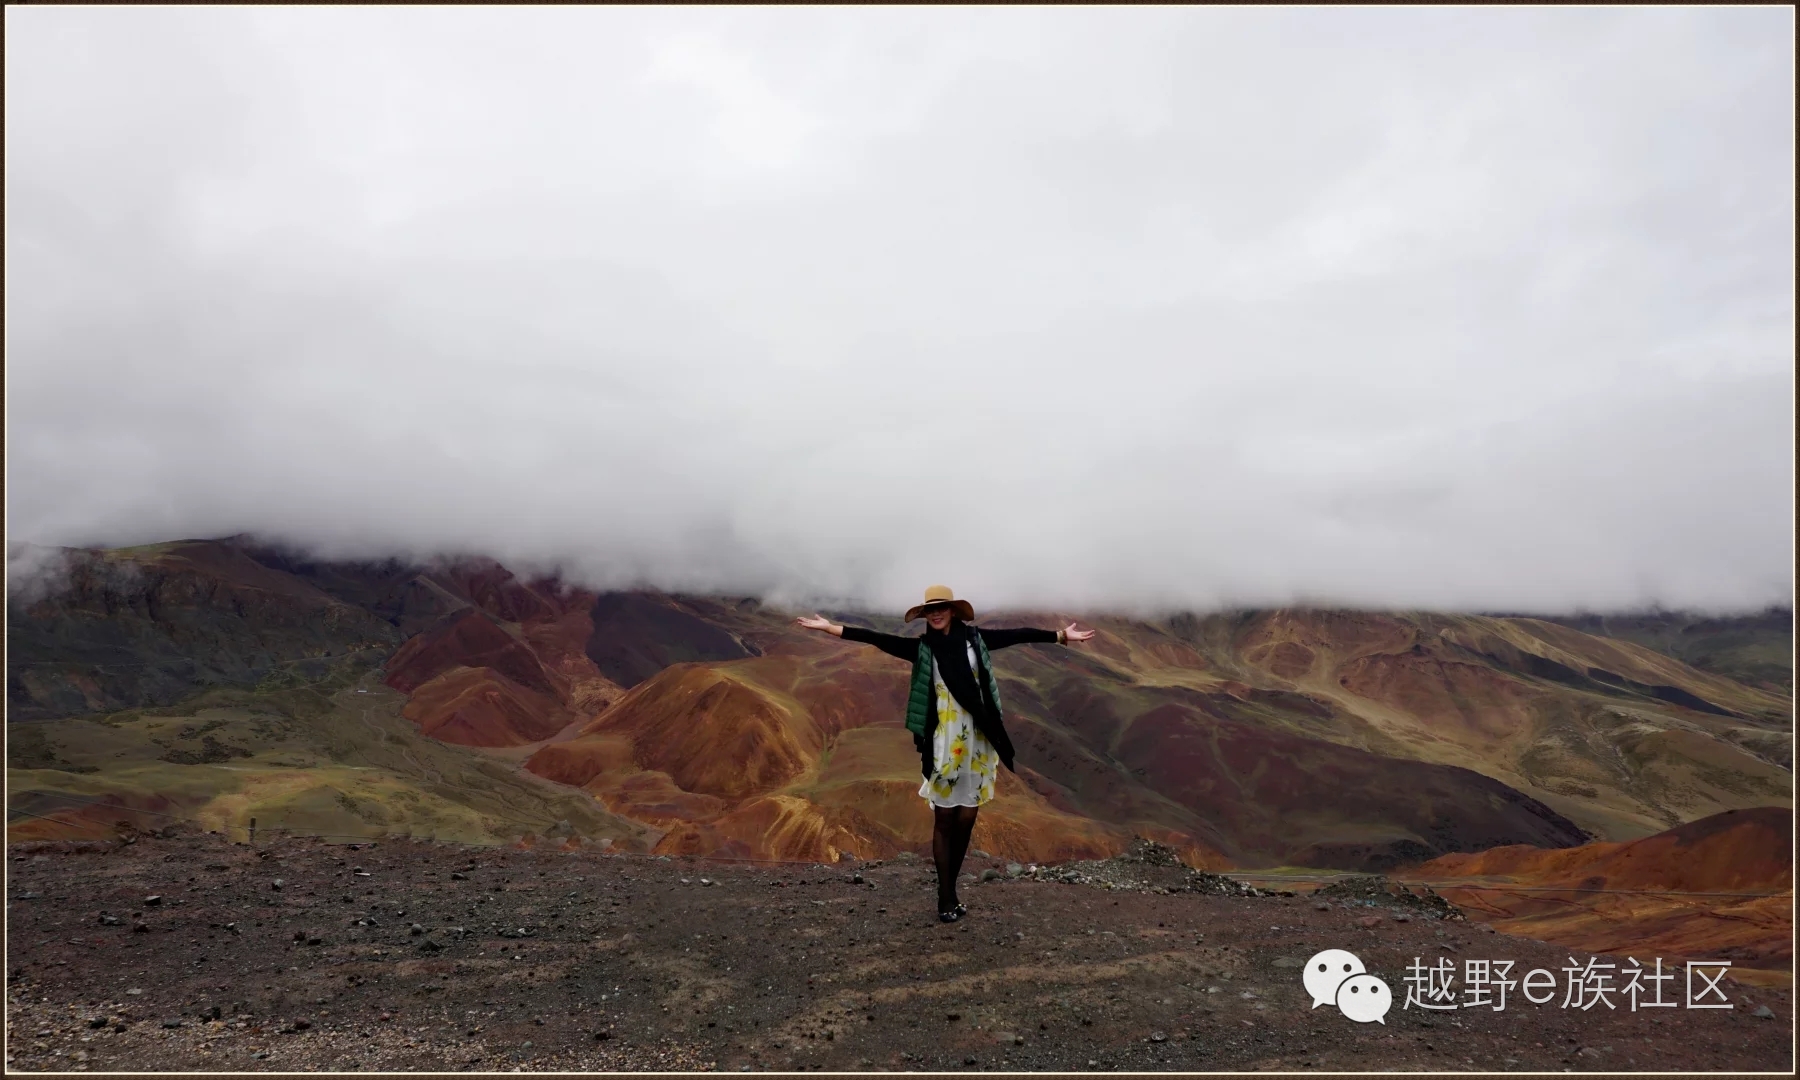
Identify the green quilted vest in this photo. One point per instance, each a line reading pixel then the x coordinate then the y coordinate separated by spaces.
pixel 918 702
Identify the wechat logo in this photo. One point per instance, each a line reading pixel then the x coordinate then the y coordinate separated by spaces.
pixel 1337 977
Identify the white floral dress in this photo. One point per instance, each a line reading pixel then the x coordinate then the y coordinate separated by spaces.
pixel 965 764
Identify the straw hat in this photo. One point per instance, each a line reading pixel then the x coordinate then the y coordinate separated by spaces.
pixel 941 594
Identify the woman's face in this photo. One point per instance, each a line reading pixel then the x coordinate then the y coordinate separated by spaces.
pixel 939 620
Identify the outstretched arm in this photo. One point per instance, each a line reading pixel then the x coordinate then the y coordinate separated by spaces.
pixel 821 624
pixel 894 645
pixel 1068 635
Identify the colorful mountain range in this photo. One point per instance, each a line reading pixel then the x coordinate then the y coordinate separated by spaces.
pixel 220 681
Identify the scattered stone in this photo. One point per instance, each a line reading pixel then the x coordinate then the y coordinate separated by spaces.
pixel 1289 962
pixel 171 1023
pixel 602 1036
pixel 1764 1012
pixel 277 884
pixel 1321 907
pixel 1403 918
pixel 1373 890
pixel 1150 853
pixel 1013 869
pixel 459 877
pixel 1370 921
pixel 990 874
pixel 134 992
pixel 152 901
pixel 416 930
pixel 1157 1036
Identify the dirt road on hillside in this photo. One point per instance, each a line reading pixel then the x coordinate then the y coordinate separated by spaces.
pixel 301 955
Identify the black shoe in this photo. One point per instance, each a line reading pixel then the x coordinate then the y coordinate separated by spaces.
pixel 954 913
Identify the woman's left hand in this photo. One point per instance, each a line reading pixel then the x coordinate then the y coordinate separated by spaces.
pixel 1070 633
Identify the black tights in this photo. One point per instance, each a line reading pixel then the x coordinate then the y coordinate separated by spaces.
pixel 951 829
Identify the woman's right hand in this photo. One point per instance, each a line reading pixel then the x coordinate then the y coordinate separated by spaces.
pixel 822 624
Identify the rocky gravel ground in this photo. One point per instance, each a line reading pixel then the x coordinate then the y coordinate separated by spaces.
pixel 192 953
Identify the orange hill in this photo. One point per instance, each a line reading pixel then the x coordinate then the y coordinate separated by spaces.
pixel 466 638
pixel 1659 908
pixel 1741 850
pixel 509 669
pixel 482 707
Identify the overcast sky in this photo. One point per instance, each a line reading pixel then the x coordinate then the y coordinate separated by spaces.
pixel 1092 308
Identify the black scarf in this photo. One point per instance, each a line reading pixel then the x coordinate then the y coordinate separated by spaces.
pixel 951 651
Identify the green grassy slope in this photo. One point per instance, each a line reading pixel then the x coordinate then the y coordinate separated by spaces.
pixel 327 757
pixel 1756 649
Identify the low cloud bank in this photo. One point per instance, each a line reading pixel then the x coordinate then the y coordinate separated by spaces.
pixel 1125 311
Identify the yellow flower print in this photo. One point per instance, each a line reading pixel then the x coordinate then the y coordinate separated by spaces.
pixel 964 762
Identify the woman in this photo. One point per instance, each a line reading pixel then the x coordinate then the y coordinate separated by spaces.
pixel 953 712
